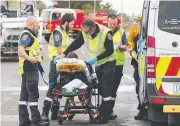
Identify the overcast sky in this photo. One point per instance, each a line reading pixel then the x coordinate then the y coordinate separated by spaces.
pixel 129 6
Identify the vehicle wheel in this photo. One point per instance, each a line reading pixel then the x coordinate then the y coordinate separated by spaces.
pixel 173 120
pixel 70 117
pixel 152 123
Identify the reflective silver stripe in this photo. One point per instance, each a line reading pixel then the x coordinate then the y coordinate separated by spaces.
pixel 27 48
pixel 107 99
pixel 21 58
pixel 108 60
pixel 29 33
pixel 26 31
pixel 48 99
pixel 99 43
pixel 113 99
pixel 22 103
pixel 33 103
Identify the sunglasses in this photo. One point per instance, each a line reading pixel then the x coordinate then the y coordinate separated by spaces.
pixel 89 31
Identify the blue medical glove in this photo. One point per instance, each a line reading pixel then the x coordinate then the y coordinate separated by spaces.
pixel 92 61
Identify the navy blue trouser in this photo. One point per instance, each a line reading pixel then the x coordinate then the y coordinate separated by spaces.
pixel 105 75
pixel 117 80
pixel 29 93
pixel 52 81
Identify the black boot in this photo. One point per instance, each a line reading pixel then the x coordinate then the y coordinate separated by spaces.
pixel 54 110
pixel 112 117
pixel 140 116
pixel 45 111
pixel 42 123
pixel 45 116
pixel 26 123
pixel 100 120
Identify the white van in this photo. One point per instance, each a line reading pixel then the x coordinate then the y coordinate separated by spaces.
pixel 159 61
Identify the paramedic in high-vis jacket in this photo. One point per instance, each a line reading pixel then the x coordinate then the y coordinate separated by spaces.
pixel 133 39
pixel 30 57
pixel 120 45
pixel 58 43
pixel 99 43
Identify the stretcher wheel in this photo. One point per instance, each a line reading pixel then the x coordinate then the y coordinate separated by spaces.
pixel 60 120
pixel 70 117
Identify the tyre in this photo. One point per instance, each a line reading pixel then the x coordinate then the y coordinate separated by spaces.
pixel 70 117
pixel 152 123
pixel 173 120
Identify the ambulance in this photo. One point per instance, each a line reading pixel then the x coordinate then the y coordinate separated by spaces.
pixel 159 61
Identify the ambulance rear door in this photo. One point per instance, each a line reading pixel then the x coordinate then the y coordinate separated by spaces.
pixel 167 47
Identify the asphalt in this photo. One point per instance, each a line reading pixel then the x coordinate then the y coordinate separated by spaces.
pixel 125 107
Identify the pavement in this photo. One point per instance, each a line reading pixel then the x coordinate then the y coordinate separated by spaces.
pixel 125 108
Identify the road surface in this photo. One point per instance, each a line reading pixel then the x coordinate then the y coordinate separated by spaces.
pixel 125 107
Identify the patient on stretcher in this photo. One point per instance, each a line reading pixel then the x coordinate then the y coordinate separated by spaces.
pixel 75 74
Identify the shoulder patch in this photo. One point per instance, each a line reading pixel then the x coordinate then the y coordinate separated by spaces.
pixel 109 36
pixel 57 37
pixel 25 37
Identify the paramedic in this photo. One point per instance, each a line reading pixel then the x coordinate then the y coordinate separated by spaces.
pixel 133 39
pixel 120 45
pixel 98 40
pixel 29 58
pixel 58 42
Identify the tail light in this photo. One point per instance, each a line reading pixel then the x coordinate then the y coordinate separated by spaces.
pixel 158 100
pixel 151 57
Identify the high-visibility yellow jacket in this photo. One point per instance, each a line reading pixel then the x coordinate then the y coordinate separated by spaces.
pixel 95 45
pixel 117 39
pixel 52 50
pixel 33 51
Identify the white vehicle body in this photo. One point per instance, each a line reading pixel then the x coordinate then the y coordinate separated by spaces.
pixel 47 15
pixel 159 60
pixel 13 21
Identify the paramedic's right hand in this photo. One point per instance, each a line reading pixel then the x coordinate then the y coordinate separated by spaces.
pixel 33 60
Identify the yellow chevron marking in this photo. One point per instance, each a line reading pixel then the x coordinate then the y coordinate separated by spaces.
pixel 178 74
pixel 158 83
pixel 161 69
pixel 162 66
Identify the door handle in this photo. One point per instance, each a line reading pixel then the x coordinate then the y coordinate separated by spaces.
pixel 174 44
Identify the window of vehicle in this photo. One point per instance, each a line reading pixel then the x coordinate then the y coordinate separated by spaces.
pixel 46 15
pixel 169 16
pixel 145 15
pixel 56 16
